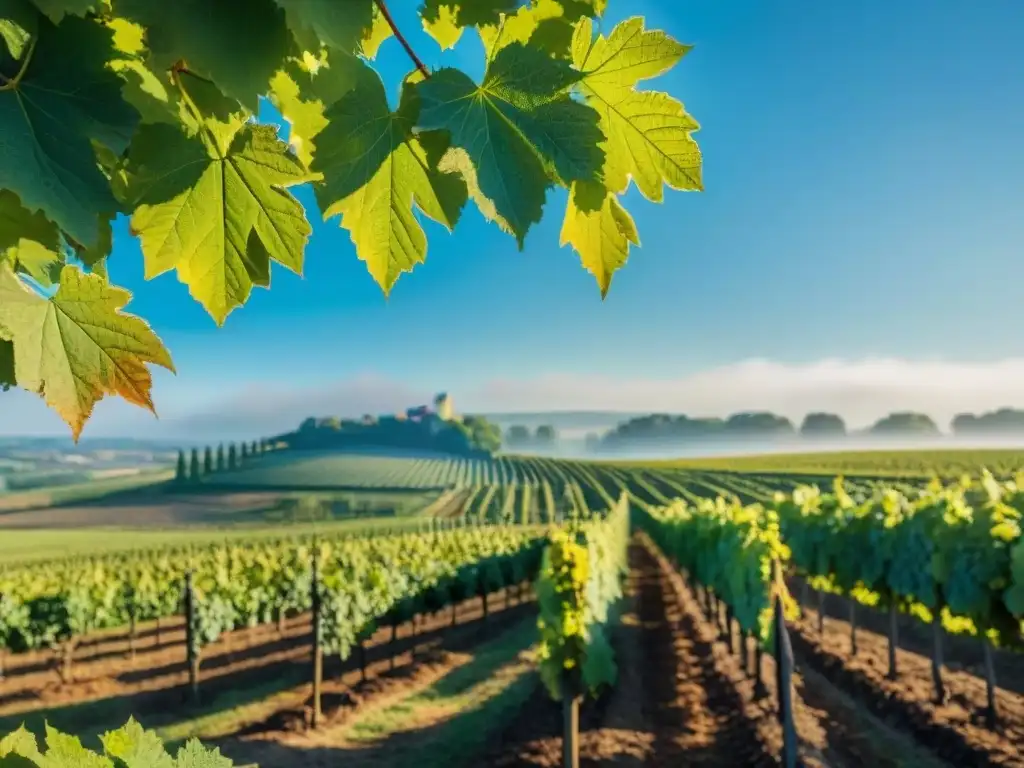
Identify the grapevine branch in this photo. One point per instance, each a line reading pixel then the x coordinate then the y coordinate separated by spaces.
pixel 383 8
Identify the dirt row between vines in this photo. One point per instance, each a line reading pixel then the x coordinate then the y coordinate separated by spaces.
pixel 108 685
pixel 683 699
pixel 954 729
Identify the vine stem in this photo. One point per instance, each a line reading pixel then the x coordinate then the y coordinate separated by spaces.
pixel 383 8
pixel 12 83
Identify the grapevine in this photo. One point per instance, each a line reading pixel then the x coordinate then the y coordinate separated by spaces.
pixel 145 109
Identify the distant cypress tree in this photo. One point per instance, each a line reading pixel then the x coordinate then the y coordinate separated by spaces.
pixel 208 461
pixel 221 466
pixel 255 450
pixel 193 469
pixel 245 452
pixel 232 457
pixel 181 473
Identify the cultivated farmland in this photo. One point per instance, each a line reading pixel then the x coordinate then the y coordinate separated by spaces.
pixel 445 662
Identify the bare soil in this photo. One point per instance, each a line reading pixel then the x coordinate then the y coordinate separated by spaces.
pixel 955 729
pixel 683 699
pixel 108 685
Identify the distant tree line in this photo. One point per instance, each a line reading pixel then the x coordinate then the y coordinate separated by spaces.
pixel 463 435
pixel 763 424
pixel 519 436
pixel 193 469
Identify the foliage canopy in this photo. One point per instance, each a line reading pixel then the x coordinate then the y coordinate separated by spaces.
pixel 146 109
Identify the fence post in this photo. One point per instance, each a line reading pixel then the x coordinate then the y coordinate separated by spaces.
pixel 318 654
pixel 784 674
pixel 191 641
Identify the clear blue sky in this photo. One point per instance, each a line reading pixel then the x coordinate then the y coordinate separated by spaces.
pixel 864 171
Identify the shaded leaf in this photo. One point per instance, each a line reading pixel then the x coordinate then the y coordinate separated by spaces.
pixel 29 242
pixel 519 128
pixel 56 10
pixel 302 95
pixel 7 381
pixel 240 44
pixel 65 97
pixel 338 24
pixel 77 347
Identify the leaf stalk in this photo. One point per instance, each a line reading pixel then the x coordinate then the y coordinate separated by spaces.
pixel 383 8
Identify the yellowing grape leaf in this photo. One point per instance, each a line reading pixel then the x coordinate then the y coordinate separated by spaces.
pixel 601 237
pixel 379 31
pixel 444 20
pixel 374 170
pixel 49 112
pixel 21 742
pixel 135 747
pixel 519 128
pixel 29 242
pixel 214 206
pixel 441 23
pixel 647 133
pixel 338 24
pixel 548 24
pixel 239 45
pixel 195 755
pixel 65 750
pixel 19 21
pixel 78 346
pixel 302 94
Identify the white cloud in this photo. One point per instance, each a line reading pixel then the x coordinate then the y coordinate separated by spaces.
pixel 860 390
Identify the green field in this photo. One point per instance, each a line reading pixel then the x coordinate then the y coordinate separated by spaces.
pixel 916 463
pixel 72 493
pixel 269 495
pixel 26 545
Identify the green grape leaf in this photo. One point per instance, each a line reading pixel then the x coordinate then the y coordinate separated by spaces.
pixel 374 170
pixel 29 242
pixel 135 747
pixel 19 21
pixel 214 206
pixel 91 257
pixel 338 24
pixel 647 133
pixel 49 112
pixel 64 750
pixel 56 10
pixel 195 755
pixel 519 128
pixel 601 236
pixel 7 379
pixel 78 346
pixel 302 94
pixel 215 48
